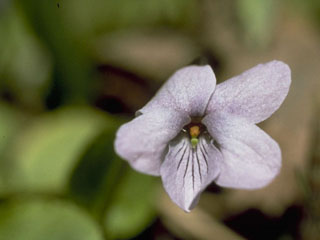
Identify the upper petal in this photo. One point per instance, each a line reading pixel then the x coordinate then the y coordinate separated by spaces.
pixel 189 90
pixel 187 171
pixel 251 158
pixel 255 94
pixel 143 141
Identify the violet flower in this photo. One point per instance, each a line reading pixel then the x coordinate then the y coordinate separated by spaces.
pixel 194 132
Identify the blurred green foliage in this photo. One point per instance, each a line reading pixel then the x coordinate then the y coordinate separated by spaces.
pixel 51 146
pixel 133 205
pixel 45 219
pixel 20 57
pixel 257 19
pixel 10 120
pixel 68 154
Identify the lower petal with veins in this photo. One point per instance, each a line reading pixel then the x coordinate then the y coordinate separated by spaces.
pixel 187 170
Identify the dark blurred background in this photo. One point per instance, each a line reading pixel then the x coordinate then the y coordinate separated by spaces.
pixel 72 71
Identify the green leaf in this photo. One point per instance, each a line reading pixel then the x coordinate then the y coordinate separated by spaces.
pixel 10 123
pixel 73 68
pixel 48 150
pixel 25 64
pixel 132 209
pixel 44 219
pixel 97 174
pixel 118 196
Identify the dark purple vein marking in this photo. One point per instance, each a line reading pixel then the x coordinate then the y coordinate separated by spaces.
pixel 192 169
pixel 204 156
pixel 184 143
pixel 180 161
pixel 199 168
pixel 205 150
pixel 185 172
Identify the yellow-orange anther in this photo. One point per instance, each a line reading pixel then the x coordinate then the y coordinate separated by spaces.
pixel 194 131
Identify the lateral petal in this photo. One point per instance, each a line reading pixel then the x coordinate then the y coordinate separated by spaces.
pixel 144 140
pixel 251 158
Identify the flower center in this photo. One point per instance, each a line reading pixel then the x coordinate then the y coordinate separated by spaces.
pixel 194 129
pixel 194 132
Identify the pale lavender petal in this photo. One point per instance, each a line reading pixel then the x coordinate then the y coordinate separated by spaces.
pixel 251 158
pixel 255 94
pixel 143 141
pixel 187 171
pixel 188 90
